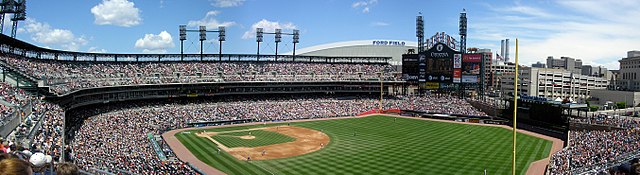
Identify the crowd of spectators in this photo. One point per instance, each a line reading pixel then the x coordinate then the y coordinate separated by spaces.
pixel 13 97
pixel 64 77
pixel 116 141
pixel 16 159
pixel 49 136
pixel 592 149
pixel 607 120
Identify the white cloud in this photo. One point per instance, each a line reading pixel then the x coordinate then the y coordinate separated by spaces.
pixel 364 5
pixel 96 50
pixel 268 26
pixel 116 12
pixel 598 32
pixel 152 43
pixel 379 23
pixel 45 34
pixel 226 3
pixel 210 21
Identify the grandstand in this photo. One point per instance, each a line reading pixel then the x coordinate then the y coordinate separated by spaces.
pixel 106 112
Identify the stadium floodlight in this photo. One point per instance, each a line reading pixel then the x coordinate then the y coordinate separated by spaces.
pixel 278 39
pixel 221 33
pixel 183 32
pixel 259 34
pixel 296 38
pixel 463 31
pixel 203 33
pixel 183 36
pixel 420 33
pixel 278 35
pixel 203 36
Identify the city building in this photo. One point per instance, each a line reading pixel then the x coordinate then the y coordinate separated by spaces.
pixel 567 63
pixel 498 71
pixel 595 71
pixel 603 96
pixel 629 70
pixel 613 80
pixel 539 65
pixel 488 57
pixel 553 84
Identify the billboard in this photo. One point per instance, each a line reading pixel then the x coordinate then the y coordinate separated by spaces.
pixel 470 79
pixel 471 67
pixel 457 61
pixel 456 75
pixel 432 85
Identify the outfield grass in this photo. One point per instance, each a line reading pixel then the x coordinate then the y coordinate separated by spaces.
pixel 263 138
pixel 382 146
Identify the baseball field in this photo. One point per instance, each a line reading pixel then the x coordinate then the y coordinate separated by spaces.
pixel 364 145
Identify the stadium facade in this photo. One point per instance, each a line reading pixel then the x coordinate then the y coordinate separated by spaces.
pixel 363 48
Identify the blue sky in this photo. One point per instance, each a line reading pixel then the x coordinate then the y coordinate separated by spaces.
pixel 598 32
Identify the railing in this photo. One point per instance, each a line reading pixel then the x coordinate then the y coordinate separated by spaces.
pixel 10 123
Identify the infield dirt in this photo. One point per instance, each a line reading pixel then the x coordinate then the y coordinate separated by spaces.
pixel 307 141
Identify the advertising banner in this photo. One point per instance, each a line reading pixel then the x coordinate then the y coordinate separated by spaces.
pixel 457 61
pixel 432 85
pixel 456 75
pixel 470 79
pixel 422 68
pixel 471 64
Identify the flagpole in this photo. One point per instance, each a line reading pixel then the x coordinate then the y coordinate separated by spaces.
pixel 515 109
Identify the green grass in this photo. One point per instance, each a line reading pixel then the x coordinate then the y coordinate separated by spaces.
pixel 263 138
pixel 382 146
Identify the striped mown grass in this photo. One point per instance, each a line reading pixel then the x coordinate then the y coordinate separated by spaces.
pixel 378 145
pixel 262 138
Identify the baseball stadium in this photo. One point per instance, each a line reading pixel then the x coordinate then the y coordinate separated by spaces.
pixel 352 107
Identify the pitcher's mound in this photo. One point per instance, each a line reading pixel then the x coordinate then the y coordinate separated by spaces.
pixel 247 137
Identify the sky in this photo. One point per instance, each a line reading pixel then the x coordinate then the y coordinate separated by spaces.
pixel 598 32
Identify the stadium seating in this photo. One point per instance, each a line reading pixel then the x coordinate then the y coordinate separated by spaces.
pixel 115 133
pixel 66 77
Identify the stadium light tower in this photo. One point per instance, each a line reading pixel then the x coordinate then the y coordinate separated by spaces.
pixel 278 38
pixel 203 36
pixel 221 38
pixel 20 15
pixel 296 40
pixel 258 39
pixel 463 31
pixel 202 30
pixel 18 9
pixel 183 36
pixel 420 33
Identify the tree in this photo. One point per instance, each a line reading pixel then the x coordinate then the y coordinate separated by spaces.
pixel 621 105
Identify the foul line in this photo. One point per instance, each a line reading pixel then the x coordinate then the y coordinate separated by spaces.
pixel 261 167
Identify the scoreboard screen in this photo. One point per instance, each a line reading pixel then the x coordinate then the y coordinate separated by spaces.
pixel 410 67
